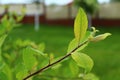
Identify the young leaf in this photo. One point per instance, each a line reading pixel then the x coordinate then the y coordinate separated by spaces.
pixel 41 47
pixel 29 58
pixel 38 52
pixel 80 25
pixel 83 61
pixel 100 37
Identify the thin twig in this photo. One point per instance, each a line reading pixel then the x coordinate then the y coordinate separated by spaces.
pixel 49 65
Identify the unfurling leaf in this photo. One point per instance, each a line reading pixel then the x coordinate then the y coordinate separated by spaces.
pixel 94 31
pixel 99 37
pixel 83 60
pixel 80 25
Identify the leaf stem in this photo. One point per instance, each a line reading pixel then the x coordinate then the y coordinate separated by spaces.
pixel 61 59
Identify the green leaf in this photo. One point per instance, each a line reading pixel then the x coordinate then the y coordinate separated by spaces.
pixel 57 66
pixel 3 76
pixel 2 38
pixel 41 57
pixel 8 71
pixel 29 59
pixel 4 21
pixel 90 2
pixel 80 25
pixel 2 64
pixel 2 30
pixel 19 67
pixel 20 71
pixel 87 36
pixel 90 76
pixel 19 17
pixel 73 44
pixel 73 68
pixel 22 74
pixel 83 61
pixel 37 52
pixel 11 21
pixel 41 47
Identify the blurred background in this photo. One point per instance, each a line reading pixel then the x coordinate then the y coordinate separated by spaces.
pixel 51 22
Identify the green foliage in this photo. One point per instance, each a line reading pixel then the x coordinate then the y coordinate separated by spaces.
pixel 75 69
pixel 83 61
pixel 22 59
pixel 2 38
pixel 3 76
pixel 21 74
pixel 73 44
pixel 114 0
pixel 90 76
pixel 29 58
pixel 83 37
pixel 90 6
pixel 80 25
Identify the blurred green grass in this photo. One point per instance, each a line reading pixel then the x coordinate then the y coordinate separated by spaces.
pixel 106 54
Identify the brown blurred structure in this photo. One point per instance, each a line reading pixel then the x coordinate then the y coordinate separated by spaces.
pixel 64 15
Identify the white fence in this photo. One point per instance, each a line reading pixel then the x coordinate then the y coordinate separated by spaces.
pixel 31 9
pixel 60 12
pixel 107 11
pixel 110 11
pixel 2 9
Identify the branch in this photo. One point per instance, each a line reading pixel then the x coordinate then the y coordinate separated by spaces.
pixel 61 59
